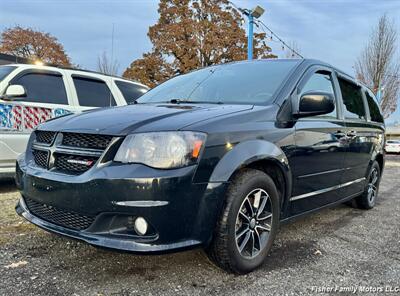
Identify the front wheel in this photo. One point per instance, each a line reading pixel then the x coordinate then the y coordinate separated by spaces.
pixel 248 224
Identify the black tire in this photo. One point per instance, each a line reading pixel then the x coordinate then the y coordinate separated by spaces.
pixel 224 249
pixel 365 201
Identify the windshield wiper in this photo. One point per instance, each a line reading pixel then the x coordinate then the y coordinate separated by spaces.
pixel 179 101
pixel 184 101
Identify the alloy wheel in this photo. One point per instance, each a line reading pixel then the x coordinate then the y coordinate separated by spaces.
pixel 253 223
pixel 372 185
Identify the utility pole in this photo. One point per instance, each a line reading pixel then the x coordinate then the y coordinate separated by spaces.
pixel 250 37
pixel 251 14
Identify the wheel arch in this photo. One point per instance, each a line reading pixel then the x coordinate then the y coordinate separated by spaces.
pixel 261 155
pixel 380 159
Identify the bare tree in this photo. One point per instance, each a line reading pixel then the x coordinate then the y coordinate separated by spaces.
pixel 377 66
pixel 106 65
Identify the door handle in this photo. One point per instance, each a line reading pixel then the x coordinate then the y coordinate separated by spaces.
pixel 352 134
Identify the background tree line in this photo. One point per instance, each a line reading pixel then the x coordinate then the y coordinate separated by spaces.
pixel 192 34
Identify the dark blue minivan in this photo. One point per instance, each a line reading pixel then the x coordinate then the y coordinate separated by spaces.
pixel 216 158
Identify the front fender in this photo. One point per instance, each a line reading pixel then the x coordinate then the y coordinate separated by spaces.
pixel 246 153
pixel 241 155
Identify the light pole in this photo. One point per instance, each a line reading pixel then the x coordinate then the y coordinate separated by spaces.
pixel 251 14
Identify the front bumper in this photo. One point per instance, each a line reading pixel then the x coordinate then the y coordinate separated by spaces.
pixel 181 214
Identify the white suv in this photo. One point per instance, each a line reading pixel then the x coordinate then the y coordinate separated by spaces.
pixel 392 146
pixel 31 94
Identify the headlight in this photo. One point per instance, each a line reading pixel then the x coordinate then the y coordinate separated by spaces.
pixel 163 150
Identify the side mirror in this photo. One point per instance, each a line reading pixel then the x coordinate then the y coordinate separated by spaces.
pixel 14 91
pixel 315 103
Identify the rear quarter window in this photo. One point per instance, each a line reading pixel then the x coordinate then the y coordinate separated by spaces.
pixel 130 91
pixel 374 110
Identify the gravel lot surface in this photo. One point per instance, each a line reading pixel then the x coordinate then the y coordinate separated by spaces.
pixel 338 247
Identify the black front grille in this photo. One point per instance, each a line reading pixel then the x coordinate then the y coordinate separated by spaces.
pixel 41 158
pixel 45 137
pixel 86 140
pixel 73 164
pixel 76 153
pixel 57 216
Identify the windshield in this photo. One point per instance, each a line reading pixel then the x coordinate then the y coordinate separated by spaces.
pixel 236 83
pixel 5 70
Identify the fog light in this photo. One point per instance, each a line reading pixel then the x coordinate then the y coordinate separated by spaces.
pixel 141 226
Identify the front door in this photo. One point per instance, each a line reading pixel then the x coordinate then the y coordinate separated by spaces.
pixel 319 157
pixel 46 97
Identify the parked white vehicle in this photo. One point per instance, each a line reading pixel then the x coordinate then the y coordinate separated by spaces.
pixel 31 94
pixel 392 146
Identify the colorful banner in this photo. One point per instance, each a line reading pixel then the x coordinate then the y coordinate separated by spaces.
pixel 6 116
pixel 25 118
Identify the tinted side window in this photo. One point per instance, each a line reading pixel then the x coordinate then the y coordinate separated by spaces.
pixel 93 93
pixel 130 91
pixel 374 110
pixel 43 88
pixel 352 99
pixel 321 82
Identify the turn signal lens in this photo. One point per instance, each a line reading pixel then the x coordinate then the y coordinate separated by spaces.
pixel 196 148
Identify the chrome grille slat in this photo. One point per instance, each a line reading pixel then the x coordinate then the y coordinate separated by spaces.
pixel 80 151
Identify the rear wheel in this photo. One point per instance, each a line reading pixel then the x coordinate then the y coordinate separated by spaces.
pixel 248 224
pixel 367 200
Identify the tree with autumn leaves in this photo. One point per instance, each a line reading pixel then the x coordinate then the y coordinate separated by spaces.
pixel 33 45
pixel 192 34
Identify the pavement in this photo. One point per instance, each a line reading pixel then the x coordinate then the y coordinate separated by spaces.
pixel 334 251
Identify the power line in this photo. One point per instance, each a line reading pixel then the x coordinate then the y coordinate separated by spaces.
pixel 284 44
pixel 235 6
pixel 279 38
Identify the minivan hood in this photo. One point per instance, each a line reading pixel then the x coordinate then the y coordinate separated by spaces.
pixel 140 118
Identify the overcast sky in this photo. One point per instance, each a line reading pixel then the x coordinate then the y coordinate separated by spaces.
pixel 334 31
